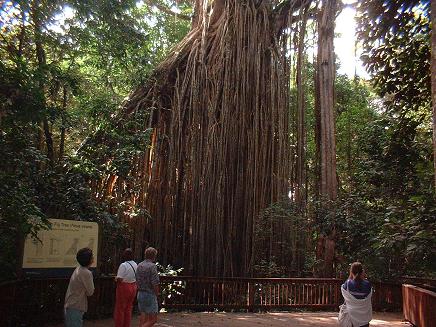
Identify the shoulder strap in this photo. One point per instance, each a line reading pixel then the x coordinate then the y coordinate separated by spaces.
pixel 132 269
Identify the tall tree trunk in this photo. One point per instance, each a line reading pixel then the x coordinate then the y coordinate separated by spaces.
pixel 433 82
pixel 40 55
pixel 63 123
pixel 326 107
pixel 325 115
pixel 300 193
pixel 48 140
pixel 349 147
pixel 301 186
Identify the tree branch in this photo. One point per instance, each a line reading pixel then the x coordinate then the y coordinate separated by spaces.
pixel 282 11
pixel 284 7
pixel 167 10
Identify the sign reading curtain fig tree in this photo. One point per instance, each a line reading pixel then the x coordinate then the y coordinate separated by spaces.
pixel 57 247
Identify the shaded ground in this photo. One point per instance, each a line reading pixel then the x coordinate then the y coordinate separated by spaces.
pixel 288 319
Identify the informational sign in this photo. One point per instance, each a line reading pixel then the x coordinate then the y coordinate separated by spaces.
pixel 58 246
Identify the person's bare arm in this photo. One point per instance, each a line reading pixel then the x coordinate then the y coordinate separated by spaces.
pixel 156 289
pixel 120 272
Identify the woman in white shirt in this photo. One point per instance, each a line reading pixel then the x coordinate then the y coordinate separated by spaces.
pixel 126 290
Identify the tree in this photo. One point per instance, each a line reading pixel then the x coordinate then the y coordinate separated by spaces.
pixel 325 123
pixel 433 81
pixel 301 185
pixel 218 107
pixel 199 159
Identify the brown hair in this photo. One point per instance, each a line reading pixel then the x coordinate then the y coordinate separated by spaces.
pixel 127 255
pixel 356 271
pixel 150 253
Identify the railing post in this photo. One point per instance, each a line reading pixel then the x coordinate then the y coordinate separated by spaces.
pixel 250 297
pixel 337 292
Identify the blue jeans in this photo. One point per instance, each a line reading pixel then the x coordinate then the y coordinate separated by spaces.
pixel 147 303
pixel 73 317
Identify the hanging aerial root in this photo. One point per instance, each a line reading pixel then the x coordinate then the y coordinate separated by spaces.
pixel 219 154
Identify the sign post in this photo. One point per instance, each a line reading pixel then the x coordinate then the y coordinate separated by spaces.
pixel 54 254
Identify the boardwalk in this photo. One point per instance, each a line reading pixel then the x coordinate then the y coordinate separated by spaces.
pixel 222 319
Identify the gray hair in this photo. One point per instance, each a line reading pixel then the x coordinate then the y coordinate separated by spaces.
pixel 150 253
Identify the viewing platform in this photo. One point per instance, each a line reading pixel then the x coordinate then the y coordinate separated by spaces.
pixel 273 319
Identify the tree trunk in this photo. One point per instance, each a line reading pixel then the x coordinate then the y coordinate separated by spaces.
pixel 63 123
pixel 300 192
pixel 326 107
pixel 48 140
pixel 349 148
pixel 40 55
pixel 22 34
pixel 19 246
pixel 199 9
pixel 325 135
pixel 433 82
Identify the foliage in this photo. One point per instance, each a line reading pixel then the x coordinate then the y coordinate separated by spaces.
pixel 354 111
pixel 65 68
pixel 279 235
pixel 384 215
pixel 19 174
pixel 395 181
pixel 168 270
pixel 396 50
pixel 395 176
pixel 171 289
pixel 386 219
pixel 269 268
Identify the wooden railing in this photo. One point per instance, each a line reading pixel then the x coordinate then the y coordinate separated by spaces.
pixel 34 302
pixel 426 283
pixel 419 306
pixel 387 296
pixel 251 293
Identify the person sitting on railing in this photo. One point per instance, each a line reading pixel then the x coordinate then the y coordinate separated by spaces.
pixel 357 292
pixel 80 287
pixel 126 290
pixel 148 289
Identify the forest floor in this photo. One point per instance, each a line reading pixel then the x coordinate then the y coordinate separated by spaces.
pixel 276 319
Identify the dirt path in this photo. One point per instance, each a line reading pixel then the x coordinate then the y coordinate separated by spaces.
pixel 288 319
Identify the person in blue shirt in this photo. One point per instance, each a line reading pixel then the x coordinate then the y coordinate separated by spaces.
pixel 357 285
